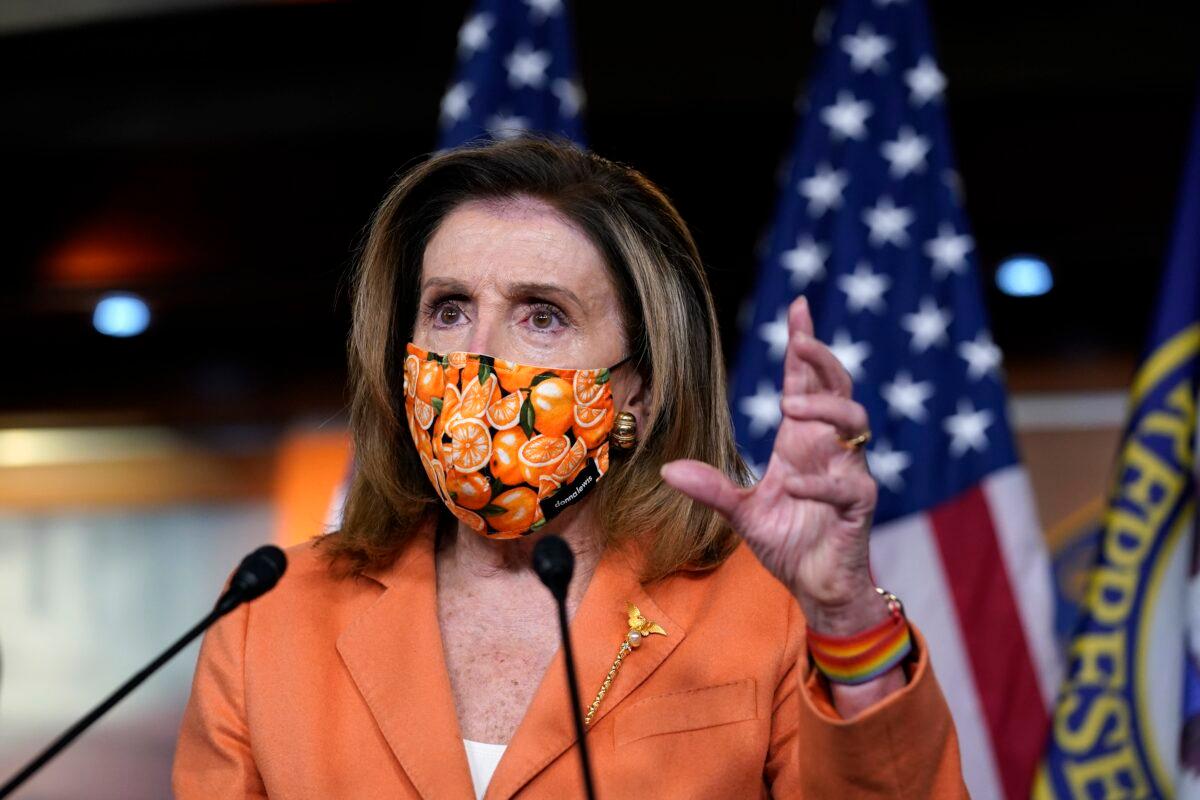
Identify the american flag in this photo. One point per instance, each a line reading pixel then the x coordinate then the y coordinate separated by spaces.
pixel 516 73
pixel 870 228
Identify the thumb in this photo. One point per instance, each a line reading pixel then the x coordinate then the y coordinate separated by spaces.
pixel 703 483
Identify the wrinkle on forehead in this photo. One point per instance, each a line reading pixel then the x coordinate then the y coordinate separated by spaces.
pixel 478 240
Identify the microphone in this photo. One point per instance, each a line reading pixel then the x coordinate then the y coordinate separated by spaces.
pixel 554 563
pixel 255 576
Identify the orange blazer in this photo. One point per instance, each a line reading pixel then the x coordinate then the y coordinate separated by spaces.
pixel 329 688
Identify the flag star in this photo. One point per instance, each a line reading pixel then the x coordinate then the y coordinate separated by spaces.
pixel 775 334
pixel 907 153
pixel 864 289
pixel 847 117
pixel 852 354
pixel 888 222
pixel 925 82
pixel 948 250
pixel 505 125
pixel 886 465
pixel 526 66
pixel 927 325
pixel 824 189
pixel 762 408
pixel 867 50
pixel 982 355
pixel 569 94
pixel 905 398
pixel 473 35
pixel 456 102
pixel 806 262
pixel 540 10
pixel 968 428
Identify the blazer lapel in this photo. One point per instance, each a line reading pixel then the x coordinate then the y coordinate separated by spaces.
pixel 599 627
pixel 394 654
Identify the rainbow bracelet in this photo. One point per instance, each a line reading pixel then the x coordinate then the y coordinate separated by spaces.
pixel 866 655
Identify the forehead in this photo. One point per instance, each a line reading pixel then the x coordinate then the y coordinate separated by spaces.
pixel 514 240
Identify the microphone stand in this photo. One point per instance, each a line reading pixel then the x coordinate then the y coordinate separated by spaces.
pixel 554 563
pixel 256 575
pixel 96 713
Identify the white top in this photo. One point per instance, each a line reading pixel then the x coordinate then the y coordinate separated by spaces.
pixel 482 758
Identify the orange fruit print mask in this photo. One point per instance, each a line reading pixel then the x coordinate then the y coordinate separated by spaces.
pixel 507 446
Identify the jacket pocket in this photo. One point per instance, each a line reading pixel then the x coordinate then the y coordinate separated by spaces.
pixel 687 710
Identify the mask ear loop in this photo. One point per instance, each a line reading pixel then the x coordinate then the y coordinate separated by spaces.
pixel 620 363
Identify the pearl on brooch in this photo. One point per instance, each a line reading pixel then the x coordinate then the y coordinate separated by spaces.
pixel 635 639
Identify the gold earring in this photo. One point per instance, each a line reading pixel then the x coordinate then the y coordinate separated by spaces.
pixel 624 430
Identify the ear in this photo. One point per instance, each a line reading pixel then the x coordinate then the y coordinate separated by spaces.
pixel 632 393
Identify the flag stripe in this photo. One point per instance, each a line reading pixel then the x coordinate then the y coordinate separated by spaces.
pixel 992 628
pixel 906 560
pixel 1010 498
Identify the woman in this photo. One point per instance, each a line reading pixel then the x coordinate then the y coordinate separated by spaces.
pixel 534 349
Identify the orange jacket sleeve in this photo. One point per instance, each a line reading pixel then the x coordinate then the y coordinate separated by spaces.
pixel 212 756
pixel 902 747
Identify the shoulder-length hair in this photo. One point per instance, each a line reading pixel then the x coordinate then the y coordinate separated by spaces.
pixel 670 324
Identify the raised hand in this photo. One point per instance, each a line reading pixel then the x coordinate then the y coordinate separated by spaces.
pixel 808 518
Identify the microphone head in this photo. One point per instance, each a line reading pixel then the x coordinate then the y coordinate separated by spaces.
pixel 554 563
pixel 259 572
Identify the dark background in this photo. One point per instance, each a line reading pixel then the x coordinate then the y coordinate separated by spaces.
pixel 223 162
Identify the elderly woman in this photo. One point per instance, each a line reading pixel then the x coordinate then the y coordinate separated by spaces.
pixel 534 350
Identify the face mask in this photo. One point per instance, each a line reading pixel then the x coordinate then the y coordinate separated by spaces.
pixel 507 446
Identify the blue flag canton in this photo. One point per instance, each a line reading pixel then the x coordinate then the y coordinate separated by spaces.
pixel 870 228
pixel 516 72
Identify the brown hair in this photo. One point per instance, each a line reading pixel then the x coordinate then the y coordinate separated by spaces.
pixel 676 348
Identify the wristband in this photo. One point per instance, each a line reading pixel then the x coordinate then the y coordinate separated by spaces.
pixel 866 655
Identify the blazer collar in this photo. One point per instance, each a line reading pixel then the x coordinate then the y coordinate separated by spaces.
pixel 411 698
pixel 597 630
pixel 394 654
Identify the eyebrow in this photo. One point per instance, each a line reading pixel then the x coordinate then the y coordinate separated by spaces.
pixel 522 289
pixel 535 289
pixel 443 283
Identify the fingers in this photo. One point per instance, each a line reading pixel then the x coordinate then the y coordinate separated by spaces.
pixel 841 491
pixel 848 417
pixel 830 374
pixel 799 316
pixel 703 483
pixel 810 366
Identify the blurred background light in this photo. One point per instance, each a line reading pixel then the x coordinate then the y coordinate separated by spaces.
pixel 1024 276
pixel 121 314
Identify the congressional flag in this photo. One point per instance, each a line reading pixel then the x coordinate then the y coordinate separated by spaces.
pixel 1127 723
pixel 516 73
pixel 870 228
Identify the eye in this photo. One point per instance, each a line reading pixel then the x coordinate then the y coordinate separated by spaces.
pixel 544 317
pixel 444 313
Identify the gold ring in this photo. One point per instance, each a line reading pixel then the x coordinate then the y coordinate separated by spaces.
pixel 857 442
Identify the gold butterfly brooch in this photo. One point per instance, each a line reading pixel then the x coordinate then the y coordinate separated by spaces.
pixel 639 629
